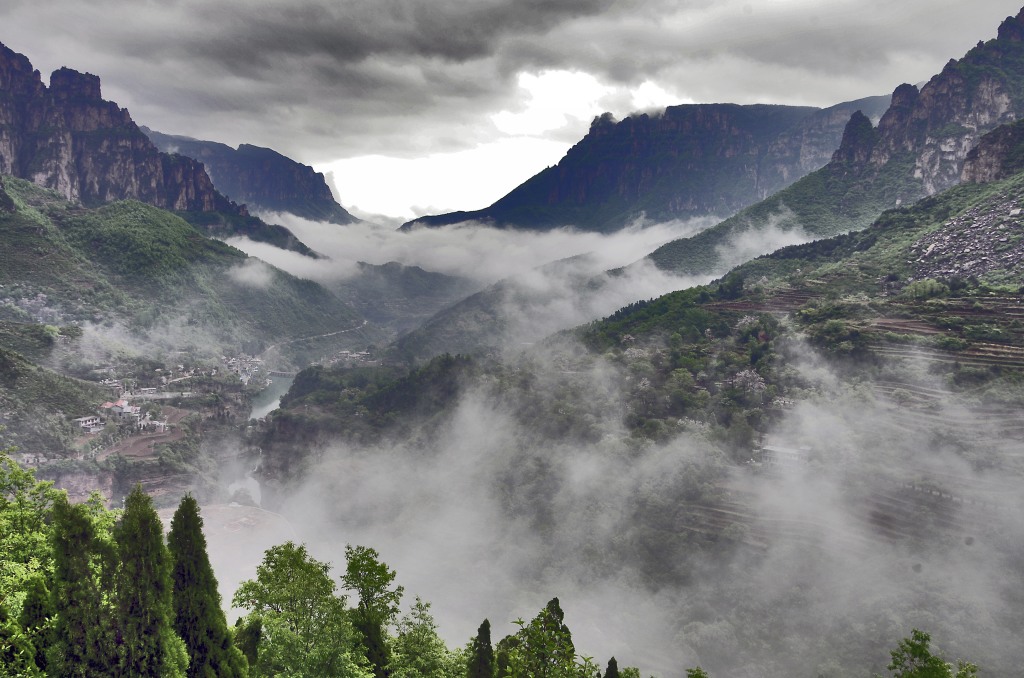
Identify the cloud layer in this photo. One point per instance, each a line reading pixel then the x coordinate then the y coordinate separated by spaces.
pixel 322 80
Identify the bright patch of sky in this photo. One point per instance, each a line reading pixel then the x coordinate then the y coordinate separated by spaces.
pixel 553 101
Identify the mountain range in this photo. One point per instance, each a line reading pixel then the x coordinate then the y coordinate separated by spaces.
pixel 784 467
pixel 687 161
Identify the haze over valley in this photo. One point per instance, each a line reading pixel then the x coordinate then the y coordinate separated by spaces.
pixel 729 389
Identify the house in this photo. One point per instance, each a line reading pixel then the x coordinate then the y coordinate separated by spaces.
pixel 121 411
pixel 89 424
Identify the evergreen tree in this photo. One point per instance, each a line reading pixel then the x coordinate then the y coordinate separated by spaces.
pixel 481 654
pixel 198 617
pixel 143 590
pixel 83 639
pixel 613 669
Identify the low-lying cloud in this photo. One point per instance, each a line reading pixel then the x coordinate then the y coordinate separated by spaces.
pixel 469 250
pixel 668 556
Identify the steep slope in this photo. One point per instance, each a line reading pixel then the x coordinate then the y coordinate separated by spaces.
pixel 66 137
pixel 918 149
pixel 260 178
pixel 132 263
pixel 691 160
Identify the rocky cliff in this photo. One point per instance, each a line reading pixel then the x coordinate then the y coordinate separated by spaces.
pixel 67 138
pixel 261 178
pixel 935 128
pixel 920 146
pixel 998 155
pixel 689 161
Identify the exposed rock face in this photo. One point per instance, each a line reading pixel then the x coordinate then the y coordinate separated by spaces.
pixel 937 127
pixel 694 160
pixel 261 178
pixel 66 137
pixel 999 154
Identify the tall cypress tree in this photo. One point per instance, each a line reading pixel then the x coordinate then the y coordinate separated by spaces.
pixel 613 669
pixel 198 617
pixel 143 589
pixel 481 654
pixel 83 636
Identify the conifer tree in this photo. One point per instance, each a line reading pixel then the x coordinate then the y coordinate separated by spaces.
pixel 83 643
pixel 481 654
pixel 198 616
pixel 143 590
pixel 613 669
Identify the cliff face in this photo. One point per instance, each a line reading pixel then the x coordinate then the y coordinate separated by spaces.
pixel 67 138
pixel 998 155
pixel 934 129
pixel 261 178
pixel 690 161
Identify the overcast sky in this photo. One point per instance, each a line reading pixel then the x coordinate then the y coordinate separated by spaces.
pixel 422 106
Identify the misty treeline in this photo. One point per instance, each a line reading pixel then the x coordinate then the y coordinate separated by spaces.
pixel 87 591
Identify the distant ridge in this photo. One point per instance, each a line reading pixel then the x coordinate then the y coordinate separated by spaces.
pixel 261 178
pixel 67 138
pixel 919 148
pixel 690 161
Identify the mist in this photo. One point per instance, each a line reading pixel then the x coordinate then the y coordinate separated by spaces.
pixel 668 555
pixel 469 250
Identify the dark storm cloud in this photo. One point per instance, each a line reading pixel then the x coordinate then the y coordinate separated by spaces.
pixel 320 80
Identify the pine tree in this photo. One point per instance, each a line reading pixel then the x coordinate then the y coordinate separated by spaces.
pixel 143 589
pixel 198 617
pixel 481 654
pixel 613 669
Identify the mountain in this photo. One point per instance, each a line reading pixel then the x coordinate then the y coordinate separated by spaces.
pixel 856 398
pixel 66 137
pixel 918 148
pixel 688 161
pixel 260 178
pixel 129 263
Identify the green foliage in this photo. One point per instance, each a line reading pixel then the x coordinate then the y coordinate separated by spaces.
pixel 198 617
pixel 418 651
pixel 913 659
pixel 84 564
pixel 143 591
pixel 481 654
pixel 141 241
pixel 925 289
pixel 544 649
pixel 378 602
pixel 304 628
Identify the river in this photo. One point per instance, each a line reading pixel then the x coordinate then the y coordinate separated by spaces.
pixel 269 398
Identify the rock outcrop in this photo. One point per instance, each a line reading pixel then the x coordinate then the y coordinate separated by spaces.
pixel 934 129
pixel 68 138
pixel 998 155
pixel 261 178
pixel 690 161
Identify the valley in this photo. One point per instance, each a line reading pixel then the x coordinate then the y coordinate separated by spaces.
pixel 738 387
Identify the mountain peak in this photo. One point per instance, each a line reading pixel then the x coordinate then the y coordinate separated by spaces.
pixel 859 139
pixel 67 83
pixel 1012 28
